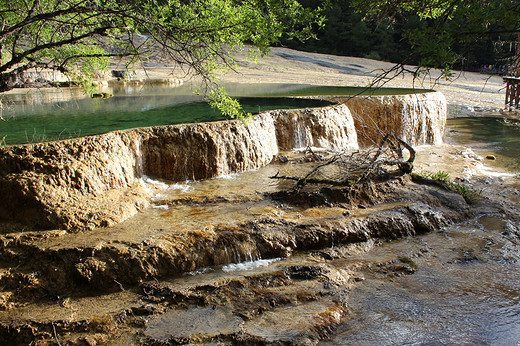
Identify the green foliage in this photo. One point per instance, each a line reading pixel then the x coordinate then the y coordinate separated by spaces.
pixel 77 36
pixel 450 28
pixel 442 34
pixel 346 33
pixel 219 99
pixel 442 176
pixel 408 261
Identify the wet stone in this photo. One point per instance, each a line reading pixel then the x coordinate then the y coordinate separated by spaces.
pixel 295 325
pixel 304 272
pixel 193 323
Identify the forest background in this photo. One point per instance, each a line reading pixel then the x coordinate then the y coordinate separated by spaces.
pixel 477 35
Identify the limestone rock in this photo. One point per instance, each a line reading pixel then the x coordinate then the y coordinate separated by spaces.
pixel 417 118
pixel 206 150
pixel 75 184
pixel 85 183
pixel 328 127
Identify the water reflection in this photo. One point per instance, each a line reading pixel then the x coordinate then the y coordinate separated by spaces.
pixel 87 117
pixel 187 92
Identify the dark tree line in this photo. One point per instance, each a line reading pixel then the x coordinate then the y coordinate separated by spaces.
pixel 393 34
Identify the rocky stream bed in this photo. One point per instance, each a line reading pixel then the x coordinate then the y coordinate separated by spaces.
pixel 94 251
pixel 280 274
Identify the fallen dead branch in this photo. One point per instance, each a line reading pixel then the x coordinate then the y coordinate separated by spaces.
pixel 348 169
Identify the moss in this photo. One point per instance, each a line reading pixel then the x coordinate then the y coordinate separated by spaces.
pixel 408 261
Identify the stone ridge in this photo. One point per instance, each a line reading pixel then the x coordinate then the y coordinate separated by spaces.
pixel 85 183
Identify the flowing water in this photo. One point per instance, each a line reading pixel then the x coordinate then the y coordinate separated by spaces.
pixel 466 291
pixel 486 134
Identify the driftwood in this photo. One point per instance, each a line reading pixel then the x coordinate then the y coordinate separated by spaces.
pixel 360 166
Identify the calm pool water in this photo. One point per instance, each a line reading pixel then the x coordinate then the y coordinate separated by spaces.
pixel 487 134
pixel 43 115
pixel 76 118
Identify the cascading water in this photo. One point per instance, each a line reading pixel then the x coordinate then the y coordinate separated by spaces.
pixel 302 138
pixel 417 119
pixel 222 259
pixel 139 170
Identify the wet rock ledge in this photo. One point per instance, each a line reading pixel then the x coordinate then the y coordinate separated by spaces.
pixel 95 181
pixel 157 286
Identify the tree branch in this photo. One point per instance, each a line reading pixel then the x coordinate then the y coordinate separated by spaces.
pixel 360 167
pixel 17 58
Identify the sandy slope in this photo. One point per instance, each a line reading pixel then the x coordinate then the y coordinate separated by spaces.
pixel 290 66
pixel 286 65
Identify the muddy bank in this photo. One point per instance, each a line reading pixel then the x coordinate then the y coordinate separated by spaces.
pixel 206 286
pixel 301 221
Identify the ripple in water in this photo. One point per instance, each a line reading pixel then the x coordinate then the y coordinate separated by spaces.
pixel 466 291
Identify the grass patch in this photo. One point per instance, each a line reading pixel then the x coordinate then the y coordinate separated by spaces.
pixel 442 179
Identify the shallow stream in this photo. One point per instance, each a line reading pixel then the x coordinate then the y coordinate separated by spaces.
pixel 466 291
pixel 488 134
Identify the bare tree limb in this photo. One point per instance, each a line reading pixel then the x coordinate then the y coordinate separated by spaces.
pixel 360 166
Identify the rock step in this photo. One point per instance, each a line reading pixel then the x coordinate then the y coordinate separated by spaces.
pixel 118 273
pixel 296 300
pixel 238 306
pixel 68 263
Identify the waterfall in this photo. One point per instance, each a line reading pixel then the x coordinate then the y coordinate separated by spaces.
pixel 234 248
pixel 65 183
pixel 301 134
pixel 139 171
pixel 417 119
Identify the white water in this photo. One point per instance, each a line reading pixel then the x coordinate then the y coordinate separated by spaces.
pixel 301 136
pixel 249 265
